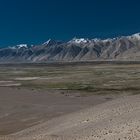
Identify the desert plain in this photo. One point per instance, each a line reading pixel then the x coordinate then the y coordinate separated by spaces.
pixel 70 102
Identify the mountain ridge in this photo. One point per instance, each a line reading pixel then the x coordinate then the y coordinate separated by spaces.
pixel 119 48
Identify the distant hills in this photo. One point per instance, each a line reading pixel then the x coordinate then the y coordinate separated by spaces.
pixel 125 48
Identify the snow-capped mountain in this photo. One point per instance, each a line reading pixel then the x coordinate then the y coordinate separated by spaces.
pixel 119 48
pixel 51 42
pixel 79 40
pixel 135 36
pixel 22 45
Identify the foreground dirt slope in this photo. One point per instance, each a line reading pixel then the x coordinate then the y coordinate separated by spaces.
pixel 23 108
pixel 114 120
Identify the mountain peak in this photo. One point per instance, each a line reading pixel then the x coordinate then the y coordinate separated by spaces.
pixel 79 40
pixel 136 35
pixel 51 42
pixel 22 46
pixel 47 42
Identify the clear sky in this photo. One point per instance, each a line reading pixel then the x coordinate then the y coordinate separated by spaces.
pixel 35 21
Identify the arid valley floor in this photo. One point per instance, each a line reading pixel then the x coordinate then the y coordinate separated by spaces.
pixel 70 102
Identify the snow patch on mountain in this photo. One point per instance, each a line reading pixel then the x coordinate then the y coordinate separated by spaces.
pixel 52 42
pixel 22 46
pixel 135 36
pixel 47 42
pixel 79 40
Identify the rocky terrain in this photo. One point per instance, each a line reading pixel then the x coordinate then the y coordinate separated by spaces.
pixel 120 48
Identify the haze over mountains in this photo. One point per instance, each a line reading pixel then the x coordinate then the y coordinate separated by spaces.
pixel 125 48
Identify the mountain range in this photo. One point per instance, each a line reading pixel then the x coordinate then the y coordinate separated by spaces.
pixel 125 48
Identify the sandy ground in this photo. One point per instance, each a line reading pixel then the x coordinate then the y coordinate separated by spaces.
pixel 117 119
pixel 22 108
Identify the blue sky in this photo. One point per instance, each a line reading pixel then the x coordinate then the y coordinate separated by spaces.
pixel 35 21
